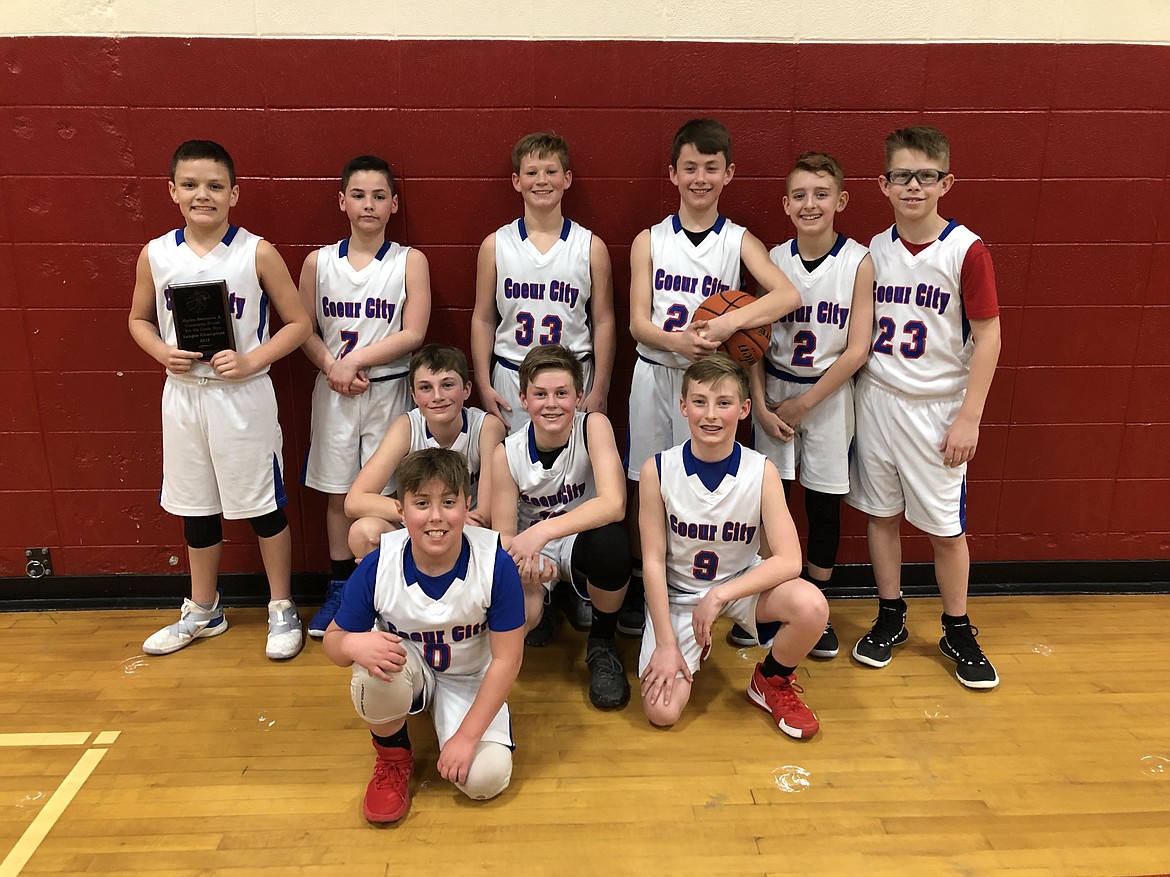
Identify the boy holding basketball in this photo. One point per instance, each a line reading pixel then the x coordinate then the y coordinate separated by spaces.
pixel 675 266
pixel 705 505
pixel 802 394
pixel 920 398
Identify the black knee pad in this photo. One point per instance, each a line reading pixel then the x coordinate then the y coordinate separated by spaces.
pixel 603 555
pixel 269 525
pixel 203 531
pixel 824 527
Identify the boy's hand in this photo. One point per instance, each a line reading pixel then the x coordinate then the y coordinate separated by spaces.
pixel 661 672
pixel 792 411
pixel 959 442
pixel 493 403
pixel 594 402
pixel 180 361
pixel 717 330
pixel 527 544
pixel 379 652
pixel 773 425
pixel 535 572
pixel 345 377
pixel 703 618
pixel 233 365
pixel 455 758
pixel 693 342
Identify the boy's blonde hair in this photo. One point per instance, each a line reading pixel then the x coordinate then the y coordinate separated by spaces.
pixel 542 144
pixel 931 142
pixel 548 357
pixel 714 369
pixel 438 358
pixel 416 469
pixel 708 136
pixel 818 163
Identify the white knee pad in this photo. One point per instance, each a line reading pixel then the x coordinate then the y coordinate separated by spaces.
pixel 490 771
pixel 379 702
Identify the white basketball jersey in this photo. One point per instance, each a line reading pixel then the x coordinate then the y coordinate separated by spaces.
pixel 683 275
pixel 543 298
pixel 452 632
pixel 466 443
pixel 233 260
pixel 356 308
pixel 711 536
pixel 922 340
pixel 811 338
pixel 554 491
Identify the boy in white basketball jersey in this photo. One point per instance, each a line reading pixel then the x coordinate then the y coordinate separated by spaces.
pixel 221 439
pixel 705 505
pixel 558 499
pixel 802 392
pixel 542 279
pixel 433 620
pixel 440 387
pixel 370 301
pixel 674 267
pixel 920 398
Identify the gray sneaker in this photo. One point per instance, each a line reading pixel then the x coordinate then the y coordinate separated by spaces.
pixel 284 631
pixel 579 611
pixel 194 623
pixel 608 687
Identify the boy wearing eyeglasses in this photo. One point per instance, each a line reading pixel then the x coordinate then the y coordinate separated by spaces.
pixel 920 397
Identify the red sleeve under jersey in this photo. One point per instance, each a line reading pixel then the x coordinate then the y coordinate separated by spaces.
pixel 977 283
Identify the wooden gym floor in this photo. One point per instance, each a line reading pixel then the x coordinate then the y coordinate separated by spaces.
pixel 215 761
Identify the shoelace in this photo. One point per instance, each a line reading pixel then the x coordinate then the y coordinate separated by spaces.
pixel 383 768
pixel 962 640
pixel 333 596
pixel 605 658
pixel 887 625
pixel 788 693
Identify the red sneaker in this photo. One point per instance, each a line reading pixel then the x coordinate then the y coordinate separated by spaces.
pixel 388 794
pixel 780 696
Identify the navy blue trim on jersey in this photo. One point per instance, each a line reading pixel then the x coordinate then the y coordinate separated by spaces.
pixel 506 611
pixel 435 587
pixel 533 453
pixel 788 376
pixel 383 250
pixel 711 474
pixel 511 366
pixel 952 224
pixel 720 221
pixel 658 465
pixel 382 378
pixel 343 248
pixel 963 507
pixel 281 498
pixel 566 227
pixel 230 236
pixel 356 614
pixel 652 362
pixel 427 426
pixel 837 245
pixel 262 325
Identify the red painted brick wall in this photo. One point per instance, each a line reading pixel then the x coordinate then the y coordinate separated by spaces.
pixel 1062 154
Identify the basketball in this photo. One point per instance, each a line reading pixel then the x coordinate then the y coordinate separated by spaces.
pixel 746 346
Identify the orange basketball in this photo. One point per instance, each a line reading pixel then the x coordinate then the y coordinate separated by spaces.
pixel 746 346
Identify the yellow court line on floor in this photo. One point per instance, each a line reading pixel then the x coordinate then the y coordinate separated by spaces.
pixel 105 738
pixel 19 855
pixel 67 739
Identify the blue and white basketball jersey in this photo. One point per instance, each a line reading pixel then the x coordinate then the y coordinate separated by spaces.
pixel 466 443
pixel 357 308
pixel 233 260
pixel 452 631
pixel 683 275
pixel 543 298
pixel 711 535
pixel 922 340
pixel 811 338
pixel 554 491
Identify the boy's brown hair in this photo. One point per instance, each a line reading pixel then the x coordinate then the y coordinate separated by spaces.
pixel 714 369
pixel 542 144
pixel 708 136
pixel 195 150
pixel 439 358
pixel 818 163
pixel 367 163
pixel 931 142
pixel 416 469
pixel 547 357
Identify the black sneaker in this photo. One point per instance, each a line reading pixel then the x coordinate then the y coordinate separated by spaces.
pixel 631 620
pixel 827 646
pixel 875 649
pixel 972 667
pixel 608 687
pixel 541 635
pixel 578 610
pixel 740 636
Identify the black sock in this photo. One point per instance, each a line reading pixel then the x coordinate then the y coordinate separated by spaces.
pixel 952 621
pixel 898 605
pixel 772 667
pixel 604 625
pixel 399 740
pixel 341 570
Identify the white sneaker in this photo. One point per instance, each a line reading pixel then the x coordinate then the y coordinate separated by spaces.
pixel 194 622
pixel 284 631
